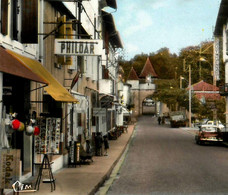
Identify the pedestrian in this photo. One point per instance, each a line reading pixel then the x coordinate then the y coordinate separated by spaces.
pixel 163 120
pixel 106 145
pixel 98 144
pixel 159 120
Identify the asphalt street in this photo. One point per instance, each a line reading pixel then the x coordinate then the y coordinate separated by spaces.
pixel 164 160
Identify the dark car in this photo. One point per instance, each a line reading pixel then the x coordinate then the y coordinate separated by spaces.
pixel 209 133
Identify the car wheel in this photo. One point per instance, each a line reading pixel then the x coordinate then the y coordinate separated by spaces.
pixel 198 142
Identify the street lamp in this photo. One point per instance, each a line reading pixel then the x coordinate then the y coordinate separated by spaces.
pixel 181 78
pixel 201 59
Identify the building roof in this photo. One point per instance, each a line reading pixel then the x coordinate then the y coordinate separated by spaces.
pixel 148 69
pixel 110 27
pixel 109 3
pixel 203 90
pixel 133 75
pixel 203 86
pixel 221 18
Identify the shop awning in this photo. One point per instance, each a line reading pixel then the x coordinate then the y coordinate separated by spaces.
pixel 54 88
pixel 11 65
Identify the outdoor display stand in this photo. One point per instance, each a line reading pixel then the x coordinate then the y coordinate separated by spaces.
pixel 49 139
pixel 45 165
pixel 47 142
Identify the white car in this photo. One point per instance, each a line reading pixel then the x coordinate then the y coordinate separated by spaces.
pixel 214 123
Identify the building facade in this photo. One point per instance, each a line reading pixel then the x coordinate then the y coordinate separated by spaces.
pixel 220 50
pixel 58 73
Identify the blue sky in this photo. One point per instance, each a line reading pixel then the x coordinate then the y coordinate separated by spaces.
pixel 147 25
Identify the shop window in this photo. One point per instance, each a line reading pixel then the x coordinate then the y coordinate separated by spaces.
pixel 4 17
pixel 51 107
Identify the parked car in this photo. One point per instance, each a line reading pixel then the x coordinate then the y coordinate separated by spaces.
pixel 212 123
pixel 209 133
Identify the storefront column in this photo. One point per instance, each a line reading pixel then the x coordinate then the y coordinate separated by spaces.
pixel 1 90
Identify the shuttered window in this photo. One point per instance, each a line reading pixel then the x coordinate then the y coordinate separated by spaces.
pixel 4 17
pixel 14 19
pixel 29 32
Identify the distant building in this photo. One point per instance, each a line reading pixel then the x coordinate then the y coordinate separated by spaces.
pixel 205 91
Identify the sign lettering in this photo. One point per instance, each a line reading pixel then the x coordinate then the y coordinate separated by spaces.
pixel 9 167
pixel 216 59
pixel 85 47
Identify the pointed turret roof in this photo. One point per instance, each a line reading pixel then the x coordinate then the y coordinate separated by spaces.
pixel 132 75
pixel 148 69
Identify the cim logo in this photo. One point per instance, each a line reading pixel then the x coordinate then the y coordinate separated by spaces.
pixel 20 187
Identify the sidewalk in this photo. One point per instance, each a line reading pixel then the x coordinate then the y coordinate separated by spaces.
pixel 192 130
pixel 87 178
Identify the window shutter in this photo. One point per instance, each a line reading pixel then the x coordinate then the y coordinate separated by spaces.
pixel 69 36
pixel 14 20
pixel 29 32
pixel 4 17
pixel 62 35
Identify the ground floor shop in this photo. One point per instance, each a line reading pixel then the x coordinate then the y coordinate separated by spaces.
pixel 33 115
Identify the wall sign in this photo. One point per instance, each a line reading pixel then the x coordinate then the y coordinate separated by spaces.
pixel 216 59
pixel 78 47
pixel 9 167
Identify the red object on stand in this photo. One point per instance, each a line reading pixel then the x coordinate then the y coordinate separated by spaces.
pixel 15 124
pixel 36 130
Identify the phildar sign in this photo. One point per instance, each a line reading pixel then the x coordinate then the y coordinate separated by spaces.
pixel 9 167
pixel 78 47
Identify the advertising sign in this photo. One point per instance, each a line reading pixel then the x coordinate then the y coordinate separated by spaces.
pixel 78 47
pixel 9 167
pixel 216 58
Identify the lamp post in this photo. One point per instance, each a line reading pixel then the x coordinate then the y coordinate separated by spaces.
pixel 190 97
pixel 189 91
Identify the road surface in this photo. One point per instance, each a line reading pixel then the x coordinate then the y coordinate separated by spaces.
pixel 164 160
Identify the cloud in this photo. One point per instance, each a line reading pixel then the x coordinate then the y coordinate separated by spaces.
pixel 141 20
pixel 132 48
pixel 159 4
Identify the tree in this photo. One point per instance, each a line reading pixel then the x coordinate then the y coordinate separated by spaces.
pixel 171 67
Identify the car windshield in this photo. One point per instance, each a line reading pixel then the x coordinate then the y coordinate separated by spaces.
pixel 209 129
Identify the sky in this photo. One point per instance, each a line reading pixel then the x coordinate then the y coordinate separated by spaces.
pixel 145 26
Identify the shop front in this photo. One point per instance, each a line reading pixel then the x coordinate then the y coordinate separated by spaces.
pixel 16 81
pixel 32 110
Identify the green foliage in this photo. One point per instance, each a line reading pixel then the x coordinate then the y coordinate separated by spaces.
pixel 170 67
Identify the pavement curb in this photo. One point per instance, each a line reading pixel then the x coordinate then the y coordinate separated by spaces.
pixel 107 175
